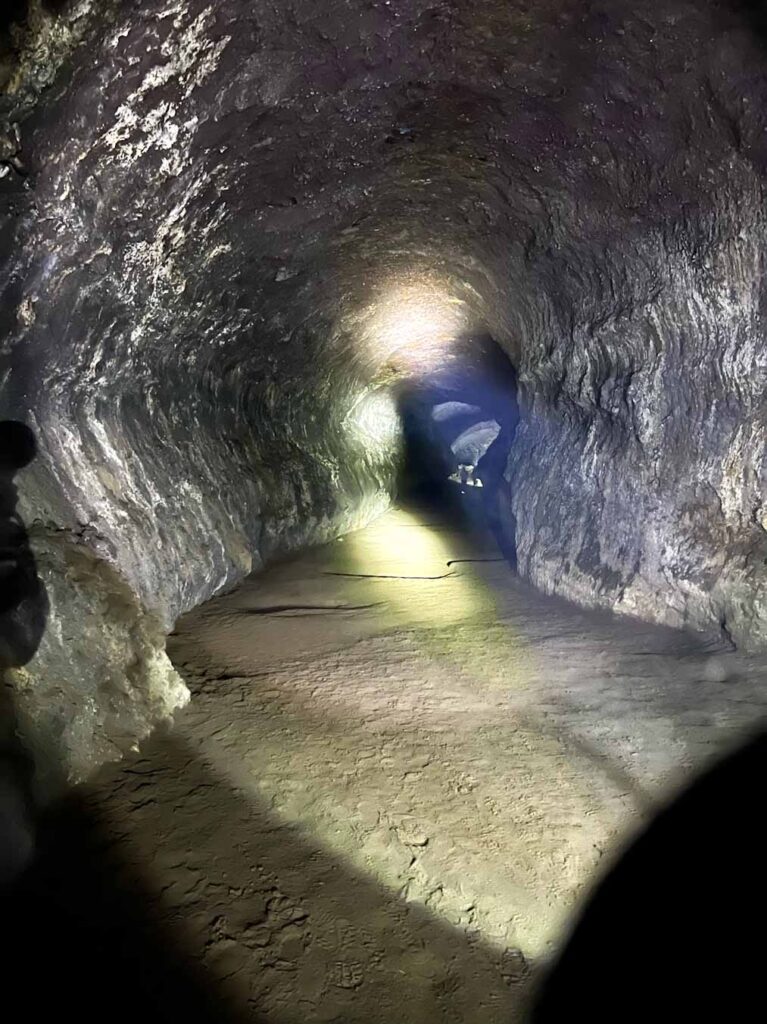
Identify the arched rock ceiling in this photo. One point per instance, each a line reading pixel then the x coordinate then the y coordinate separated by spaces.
pixel 211 178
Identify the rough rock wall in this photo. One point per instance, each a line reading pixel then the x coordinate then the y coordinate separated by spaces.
pixel 187 428
pixel 638 475
pixel 208 201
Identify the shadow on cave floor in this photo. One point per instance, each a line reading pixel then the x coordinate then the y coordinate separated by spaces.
pixel 400 771
pixel 82 937
pixel 167 892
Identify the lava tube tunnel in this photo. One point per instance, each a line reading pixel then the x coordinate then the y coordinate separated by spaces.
pixel 383 509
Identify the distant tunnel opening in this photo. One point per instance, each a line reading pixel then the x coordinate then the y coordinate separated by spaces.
pixel 459 422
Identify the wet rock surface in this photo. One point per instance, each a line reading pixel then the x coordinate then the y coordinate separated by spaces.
pixel 201 205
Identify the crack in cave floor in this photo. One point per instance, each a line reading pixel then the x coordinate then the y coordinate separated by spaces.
pixel 387 807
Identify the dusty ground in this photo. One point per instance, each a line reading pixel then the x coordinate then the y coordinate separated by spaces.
pixel 399 773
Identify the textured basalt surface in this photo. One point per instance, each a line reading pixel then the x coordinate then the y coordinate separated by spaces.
pixel 202 207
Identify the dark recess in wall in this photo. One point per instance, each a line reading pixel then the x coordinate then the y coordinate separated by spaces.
pixel 13 23
pixel 23 614
pixel 755 14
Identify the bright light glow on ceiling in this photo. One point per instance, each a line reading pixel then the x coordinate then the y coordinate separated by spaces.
pixel 412 323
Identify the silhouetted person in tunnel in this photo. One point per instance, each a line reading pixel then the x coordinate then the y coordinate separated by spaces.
pixel 677 930
pixel 23 610
pixel 490 470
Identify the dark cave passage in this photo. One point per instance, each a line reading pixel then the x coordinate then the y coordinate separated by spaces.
pixel 351 341
pixel 459 421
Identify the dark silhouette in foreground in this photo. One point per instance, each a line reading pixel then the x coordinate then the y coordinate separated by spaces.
pixel 499 517
pixel 676 931
pixel 23 612
pixel 80 940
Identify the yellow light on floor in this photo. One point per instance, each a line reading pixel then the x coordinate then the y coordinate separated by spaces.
pixel 409 573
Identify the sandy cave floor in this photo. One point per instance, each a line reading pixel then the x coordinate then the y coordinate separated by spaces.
pixel 399 773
